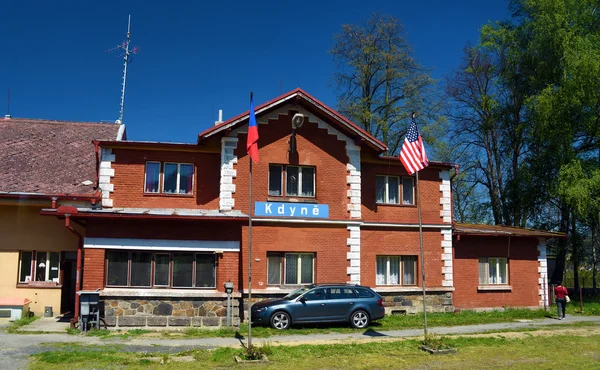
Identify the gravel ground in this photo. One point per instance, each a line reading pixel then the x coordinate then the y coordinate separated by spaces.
pixel 15 349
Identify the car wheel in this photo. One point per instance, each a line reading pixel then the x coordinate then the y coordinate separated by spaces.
pixel 359 319
pixel 280 320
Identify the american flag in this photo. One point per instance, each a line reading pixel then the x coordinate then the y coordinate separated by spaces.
pixel 413 155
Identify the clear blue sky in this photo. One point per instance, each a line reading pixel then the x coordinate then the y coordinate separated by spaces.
pixel 200 56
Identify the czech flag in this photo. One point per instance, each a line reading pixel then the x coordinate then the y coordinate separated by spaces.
pixel 252 143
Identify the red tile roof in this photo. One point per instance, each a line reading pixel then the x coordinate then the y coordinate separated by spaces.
pixel 502 230
pixel 50 157
pixel 341 121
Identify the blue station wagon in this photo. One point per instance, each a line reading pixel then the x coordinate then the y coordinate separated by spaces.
pixel 358 305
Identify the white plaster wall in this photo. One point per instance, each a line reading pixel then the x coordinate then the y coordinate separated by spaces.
pixel 106 174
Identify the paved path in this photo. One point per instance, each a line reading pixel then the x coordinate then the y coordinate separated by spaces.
pixel 15 349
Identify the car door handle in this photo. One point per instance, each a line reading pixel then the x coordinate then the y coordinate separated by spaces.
pixel 351 303
pixel 322 304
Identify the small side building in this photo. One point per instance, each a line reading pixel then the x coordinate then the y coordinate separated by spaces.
pixel 499 266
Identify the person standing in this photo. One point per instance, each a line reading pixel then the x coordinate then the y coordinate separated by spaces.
pixel 560 294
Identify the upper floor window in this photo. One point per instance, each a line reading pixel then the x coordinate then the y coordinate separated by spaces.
pixel 389 189
pixel 152 177
pixel 299 180
pixel 396 270
pixel 493 271
pixel 177 178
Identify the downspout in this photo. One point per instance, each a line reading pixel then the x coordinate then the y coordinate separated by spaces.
pixel 78 274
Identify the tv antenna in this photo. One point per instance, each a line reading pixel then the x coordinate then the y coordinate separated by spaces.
pixel 126 59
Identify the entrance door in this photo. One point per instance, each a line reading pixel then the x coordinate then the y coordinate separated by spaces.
pixel 69 274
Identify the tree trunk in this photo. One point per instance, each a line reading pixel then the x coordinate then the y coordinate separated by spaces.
pixel 561 249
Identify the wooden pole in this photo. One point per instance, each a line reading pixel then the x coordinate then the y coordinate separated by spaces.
pixel 422 256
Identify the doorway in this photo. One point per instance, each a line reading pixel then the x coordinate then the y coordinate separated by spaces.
pixel 69 275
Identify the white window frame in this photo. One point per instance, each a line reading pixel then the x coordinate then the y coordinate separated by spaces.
pixel 386 196
pixel 486 261
pixel 31 270
pixel 401 193
pixel 281 264
pixel 35 261
pixel 314 190
pixel 281 192
pixel 299 274
pixel 400 270
pixel 178 178
pixel 146 177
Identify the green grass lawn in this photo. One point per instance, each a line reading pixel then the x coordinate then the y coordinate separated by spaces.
pixel 591 306
pixel 15 325
pixel 531 352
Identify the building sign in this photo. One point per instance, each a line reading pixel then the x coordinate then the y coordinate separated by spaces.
pixel 299 210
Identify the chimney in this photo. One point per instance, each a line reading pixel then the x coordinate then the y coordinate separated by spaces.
pixel 220 117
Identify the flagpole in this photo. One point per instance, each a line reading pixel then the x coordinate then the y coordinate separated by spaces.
pixel 250 253
pixel 422 255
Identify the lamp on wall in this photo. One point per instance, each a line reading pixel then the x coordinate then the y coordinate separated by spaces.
pixel 297 122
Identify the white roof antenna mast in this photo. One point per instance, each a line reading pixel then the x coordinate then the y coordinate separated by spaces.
pixel 126 59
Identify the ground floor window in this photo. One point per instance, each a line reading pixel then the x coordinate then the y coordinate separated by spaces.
pixel 396 270
pixel 39 266
pixel 493 271
pixel 290 268
pixel 160 269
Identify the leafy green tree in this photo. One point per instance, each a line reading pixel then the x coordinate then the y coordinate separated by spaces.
pixel 553 47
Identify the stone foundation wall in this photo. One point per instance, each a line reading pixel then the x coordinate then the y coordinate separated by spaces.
pixel 180 312
pixel 411 303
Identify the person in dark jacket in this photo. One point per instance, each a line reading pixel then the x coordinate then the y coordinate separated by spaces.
pixel 560 294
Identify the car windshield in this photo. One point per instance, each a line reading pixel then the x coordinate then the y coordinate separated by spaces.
pixel 296 293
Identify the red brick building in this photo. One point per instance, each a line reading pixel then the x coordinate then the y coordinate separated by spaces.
pixel 326 207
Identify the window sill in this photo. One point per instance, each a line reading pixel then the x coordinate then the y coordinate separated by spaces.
pixel 404 289
pixel 165 292
pixel 39 285
pixel 275 290
pixel 310 200
pixel 494 288
pixel 395 205
pixel 168 195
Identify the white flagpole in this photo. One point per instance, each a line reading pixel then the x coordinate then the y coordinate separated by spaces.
pixel 422 255
pixel 250 254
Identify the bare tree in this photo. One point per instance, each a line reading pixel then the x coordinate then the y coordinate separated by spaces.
pixel 379 82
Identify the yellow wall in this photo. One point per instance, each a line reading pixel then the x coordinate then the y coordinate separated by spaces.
pixel 22 228
pixel 40 298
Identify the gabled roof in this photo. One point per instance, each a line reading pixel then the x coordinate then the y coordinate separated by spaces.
pixel 502 230
pixel 299 96
pixel 50 157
